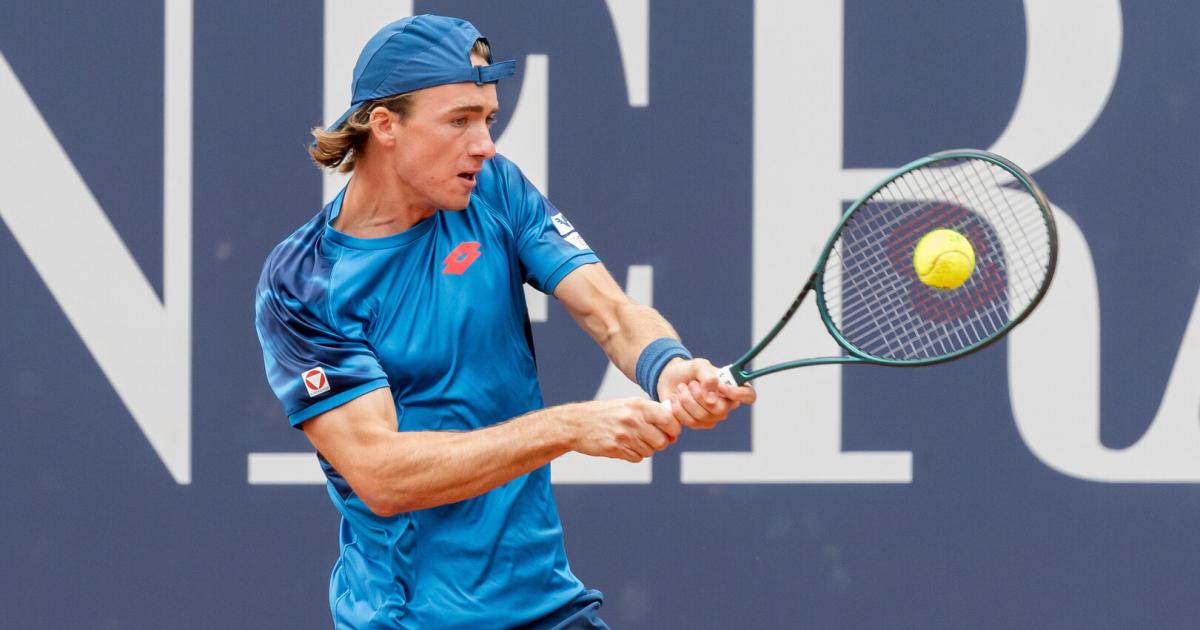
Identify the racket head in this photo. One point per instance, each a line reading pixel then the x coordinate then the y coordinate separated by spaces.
pixel 869 295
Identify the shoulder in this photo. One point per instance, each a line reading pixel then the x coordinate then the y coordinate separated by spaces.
pixel 295 274
pixel 502 170
pixel 501 183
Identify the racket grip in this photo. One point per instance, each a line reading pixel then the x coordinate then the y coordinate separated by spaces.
pixel 725 376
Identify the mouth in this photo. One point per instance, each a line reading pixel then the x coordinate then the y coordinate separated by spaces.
pixel 468 176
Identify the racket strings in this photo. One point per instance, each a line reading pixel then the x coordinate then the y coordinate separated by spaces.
pixel 904 333
pixel 949 335
pixel 1028 234
pixel 872 293
pixel 976 184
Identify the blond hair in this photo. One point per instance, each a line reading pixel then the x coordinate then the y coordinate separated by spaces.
pixel 340 148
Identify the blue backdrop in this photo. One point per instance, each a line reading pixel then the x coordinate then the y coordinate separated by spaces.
pixel 670 133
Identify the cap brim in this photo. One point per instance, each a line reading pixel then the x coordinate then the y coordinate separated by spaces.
pixel 480 75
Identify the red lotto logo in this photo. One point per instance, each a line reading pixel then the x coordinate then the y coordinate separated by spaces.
pixel 315 382
pixel 461 257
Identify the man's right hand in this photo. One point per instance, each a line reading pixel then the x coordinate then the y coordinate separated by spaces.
pixel 629 428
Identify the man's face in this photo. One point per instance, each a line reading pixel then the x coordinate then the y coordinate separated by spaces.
pixel 442 143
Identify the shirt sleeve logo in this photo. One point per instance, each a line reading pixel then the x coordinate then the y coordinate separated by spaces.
pixel 561 224
pixel 461 257
pixel 577 240
pixel 315 381
pixel 567 231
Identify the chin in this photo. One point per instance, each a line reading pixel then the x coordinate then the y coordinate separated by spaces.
pixel 455 202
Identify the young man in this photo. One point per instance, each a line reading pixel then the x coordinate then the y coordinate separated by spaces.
pixel 395 333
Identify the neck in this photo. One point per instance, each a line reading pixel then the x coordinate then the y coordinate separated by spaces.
pixel 378 204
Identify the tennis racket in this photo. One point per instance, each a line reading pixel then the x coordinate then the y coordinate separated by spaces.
pixel 869 294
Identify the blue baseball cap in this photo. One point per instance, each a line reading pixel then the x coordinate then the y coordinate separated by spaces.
pixel 419 52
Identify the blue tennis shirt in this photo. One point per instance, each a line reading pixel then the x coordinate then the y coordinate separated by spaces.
pixel 436 314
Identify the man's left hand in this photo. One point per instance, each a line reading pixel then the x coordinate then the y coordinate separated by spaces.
pixel 698 400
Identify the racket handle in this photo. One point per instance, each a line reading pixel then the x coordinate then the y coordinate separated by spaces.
pixel 725 376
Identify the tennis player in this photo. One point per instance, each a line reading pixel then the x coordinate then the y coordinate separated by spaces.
pixel 395 333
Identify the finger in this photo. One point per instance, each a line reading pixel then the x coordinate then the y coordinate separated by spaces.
pixel 717 406
pixel 629 454
pixel 743 394
pixel 653 437
pixel 663 417
pixel 714 403
pixel 696 416
pixel 683 408
pixel 669 426
pixel 680 415
pixel 636 441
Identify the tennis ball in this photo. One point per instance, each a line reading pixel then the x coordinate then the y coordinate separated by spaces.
pixel 944 259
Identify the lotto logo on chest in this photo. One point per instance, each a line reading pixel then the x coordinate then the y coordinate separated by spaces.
pixel 461 258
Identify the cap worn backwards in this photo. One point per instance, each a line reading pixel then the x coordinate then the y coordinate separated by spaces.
pixel 419 52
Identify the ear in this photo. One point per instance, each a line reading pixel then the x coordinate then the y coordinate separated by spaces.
pixel 385 126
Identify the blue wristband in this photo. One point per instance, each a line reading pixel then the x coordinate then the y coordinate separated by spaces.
pixel 653 359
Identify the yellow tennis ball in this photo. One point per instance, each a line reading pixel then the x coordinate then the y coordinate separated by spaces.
pixel 944 259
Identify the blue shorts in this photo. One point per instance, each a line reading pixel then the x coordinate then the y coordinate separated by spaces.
pixel 581 614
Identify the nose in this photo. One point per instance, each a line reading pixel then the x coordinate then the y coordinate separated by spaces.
pixel 481 145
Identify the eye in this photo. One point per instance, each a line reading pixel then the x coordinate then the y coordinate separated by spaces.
pixel 491 120
pixel 459 122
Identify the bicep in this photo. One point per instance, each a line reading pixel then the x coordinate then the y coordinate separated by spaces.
pixel 349 435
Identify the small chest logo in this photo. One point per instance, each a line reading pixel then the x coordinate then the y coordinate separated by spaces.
pixel 315 382
pixel 461 257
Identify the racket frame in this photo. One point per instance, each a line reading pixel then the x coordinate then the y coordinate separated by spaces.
pixel 736 373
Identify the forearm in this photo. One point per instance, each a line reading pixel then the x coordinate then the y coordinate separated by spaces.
pixel 622 327
pixel 636 325
pixel 627 331
pixel 417 470
pixel 393 471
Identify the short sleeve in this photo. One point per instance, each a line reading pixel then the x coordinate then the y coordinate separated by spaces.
pixel 548 244
pixel 311 365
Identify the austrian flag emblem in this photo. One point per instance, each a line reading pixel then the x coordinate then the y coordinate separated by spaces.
pixel 315 382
